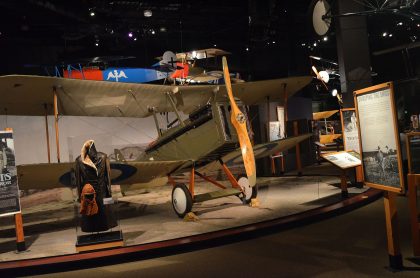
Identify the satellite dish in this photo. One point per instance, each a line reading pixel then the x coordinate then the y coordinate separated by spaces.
pixel 321 24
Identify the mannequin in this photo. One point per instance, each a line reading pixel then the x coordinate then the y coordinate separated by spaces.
pixel 92 170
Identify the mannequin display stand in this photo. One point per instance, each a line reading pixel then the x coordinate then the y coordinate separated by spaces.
pixel 98 225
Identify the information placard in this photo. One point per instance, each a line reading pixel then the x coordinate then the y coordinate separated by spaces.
pixel 9 190
pixel 343 160
pixel 379 138
pixel 350 130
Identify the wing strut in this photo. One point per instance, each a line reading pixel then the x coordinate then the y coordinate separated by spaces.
pixel 172 102
pixel 47 132
pixel 57 139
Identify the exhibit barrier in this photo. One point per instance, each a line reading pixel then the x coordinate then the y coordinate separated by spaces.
pixel 413 186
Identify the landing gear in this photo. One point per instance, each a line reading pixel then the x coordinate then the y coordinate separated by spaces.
pixel 249 192
pixel 181 200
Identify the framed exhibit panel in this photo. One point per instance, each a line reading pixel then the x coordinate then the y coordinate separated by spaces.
pixel 413 152
pixel 350 130
pixel 344 159
pixel 379 138
pixel 9 190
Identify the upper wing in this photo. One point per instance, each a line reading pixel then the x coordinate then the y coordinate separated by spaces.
pixel 29 95
pixel 33 95
pixel 201 54
pixel 51 175
pixel 276 89
pixel 323 115
pixel 260 151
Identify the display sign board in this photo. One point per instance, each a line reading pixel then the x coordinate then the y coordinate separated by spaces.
pixel 275 131
pixel 379 139
pixel 343 160
pixel 281 119
pixel 9 190
pixel 413 152
pixel 350 130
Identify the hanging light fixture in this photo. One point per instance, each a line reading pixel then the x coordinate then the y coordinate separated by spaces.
pixel 147 13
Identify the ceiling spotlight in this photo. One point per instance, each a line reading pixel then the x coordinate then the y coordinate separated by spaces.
pixel 247 49
pixel 334 92
pixel 215 45
pixel 390 35
pixel 162 29
pixel 92 13
pixel 400 23
pixel 418 24
pixel 130 34
pixel 274 42
pixel 384 34
pixel 153 32
pixel 97 43
pixel 325 39
pixel 314 43
pixel 303 44
pixel 147 13
pixel 135 39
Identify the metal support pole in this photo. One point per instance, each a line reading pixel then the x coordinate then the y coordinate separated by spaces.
pixel 57 139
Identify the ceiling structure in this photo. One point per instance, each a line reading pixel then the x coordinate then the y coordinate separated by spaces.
pixel 267 38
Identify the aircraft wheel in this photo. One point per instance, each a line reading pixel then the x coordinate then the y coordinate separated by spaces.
pixel 181 200
pixel 249 191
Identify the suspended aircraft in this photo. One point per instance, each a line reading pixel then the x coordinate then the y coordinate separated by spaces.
pixel 215 131
pixel 180 67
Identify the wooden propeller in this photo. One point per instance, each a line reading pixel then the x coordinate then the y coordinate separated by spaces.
pixel 318 76
pixel 239 122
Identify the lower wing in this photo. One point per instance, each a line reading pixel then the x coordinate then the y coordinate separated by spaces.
pixel 52 175
pixel 260 151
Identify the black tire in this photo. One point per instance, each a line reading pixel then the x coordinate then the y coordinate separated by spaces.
pixel 181 200
pixel 252 191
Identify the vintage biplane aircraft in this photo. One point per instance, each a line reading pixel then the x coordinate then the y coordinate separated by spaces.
pixel 180 67
pixel 214 132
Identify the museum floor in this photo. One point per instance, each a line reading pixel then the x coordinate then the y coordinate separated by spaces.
pixel 353 244
pixel 350 245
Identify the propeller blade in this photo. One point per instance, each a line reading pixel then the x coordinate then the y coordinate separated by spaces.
pixel 239 122
pixel 319 77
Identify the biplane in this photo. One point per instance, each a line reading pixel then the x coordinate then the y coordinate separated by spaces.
pixel 215 131
pixel 180 67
